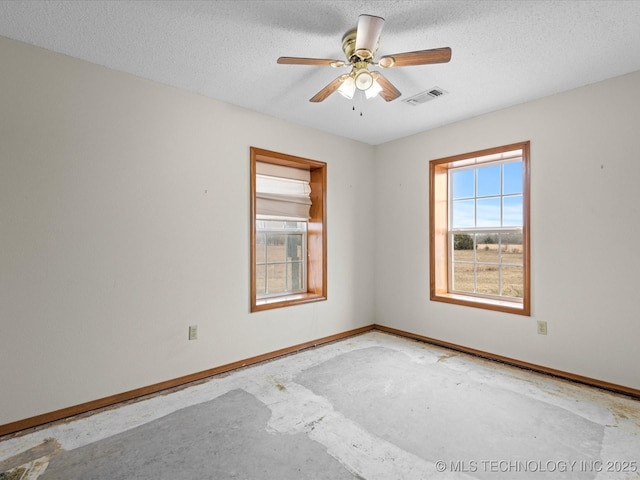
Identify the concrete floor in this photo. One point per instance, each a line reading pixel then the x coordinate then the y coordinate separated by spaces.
pixel 373 406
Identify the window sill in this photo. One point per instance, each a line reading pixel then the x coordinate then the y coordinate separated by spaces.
pixel 479 302
pixel 286 301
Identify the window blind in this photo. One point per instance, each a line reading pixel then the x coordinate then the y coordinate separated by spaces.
pixel 282 192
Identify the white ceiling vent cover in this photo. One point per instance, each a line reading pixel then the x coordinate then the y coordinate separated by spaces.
pixel 425 96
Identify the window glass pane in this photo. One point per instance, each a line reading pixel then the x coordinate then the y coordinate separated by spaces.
pixel 275 247
pixel 488 278
pixel 512 282
pixel 463 277
pixel 284 225
pixel 276 278
pixel 488 211
pixel 487 249
pixel 261 279
pixel 294 247
pixel 511 246
pixel 489 181
pixel 261 240
pixel 512 211
pixel 295 225
pixel 294 276
pixel 463 214
pixel 463 183
pixel 512 178
pixel 463 249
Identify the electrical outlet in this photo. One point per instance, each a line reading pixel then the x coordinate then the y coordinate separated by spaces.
pixel 193 332
pixel 542 327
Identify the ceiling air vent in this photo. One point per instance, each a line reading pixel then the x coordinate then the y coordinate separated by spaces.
pixel 423 97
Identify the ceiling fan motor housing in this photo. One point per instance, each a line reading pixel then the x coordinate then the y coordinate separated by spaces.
pixel 349 48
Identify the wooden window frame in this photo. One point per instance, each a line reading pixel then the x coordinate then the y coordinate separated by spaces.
pixel 316 231
pixel 439 226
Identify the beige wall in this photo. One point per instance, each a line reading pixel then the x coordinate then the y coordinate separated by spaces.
pixel 585 227
pixel 124 216
pixel 124 219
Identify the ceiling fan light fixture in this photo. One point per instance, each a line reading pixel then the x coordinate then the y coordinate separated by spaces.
pixel 348 87
pixel 374 90
pixel 363 79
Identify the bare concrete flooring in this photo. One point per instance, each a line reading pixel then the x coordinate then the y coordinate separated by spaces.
pixel 373 406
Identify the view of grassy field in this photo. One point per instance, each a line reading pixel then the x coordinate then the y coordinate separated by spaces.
pixel 490 264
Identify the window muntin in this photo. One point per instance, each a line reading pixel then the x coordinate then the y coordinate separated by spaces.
pixel 479 233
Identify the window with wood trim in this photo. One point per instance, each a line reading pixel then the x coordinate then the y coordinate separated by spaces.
pixel 479 229
pixel 288 230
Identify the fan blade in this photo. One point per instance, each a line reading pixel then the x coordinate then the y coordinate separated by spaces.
pixel 421 57
pixel 329 89
pixel 389 92
pixel 367 35
pixel 310 61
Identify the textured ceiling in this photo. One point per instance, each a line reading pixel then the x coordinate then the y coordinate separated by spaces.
pixel 504 52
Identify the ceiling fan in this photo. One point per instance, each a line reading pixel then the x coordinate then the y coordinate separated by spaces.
pixel 360 46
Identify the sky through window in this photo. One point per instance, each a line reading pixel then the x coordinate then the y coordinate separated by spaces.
pixel 487 197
